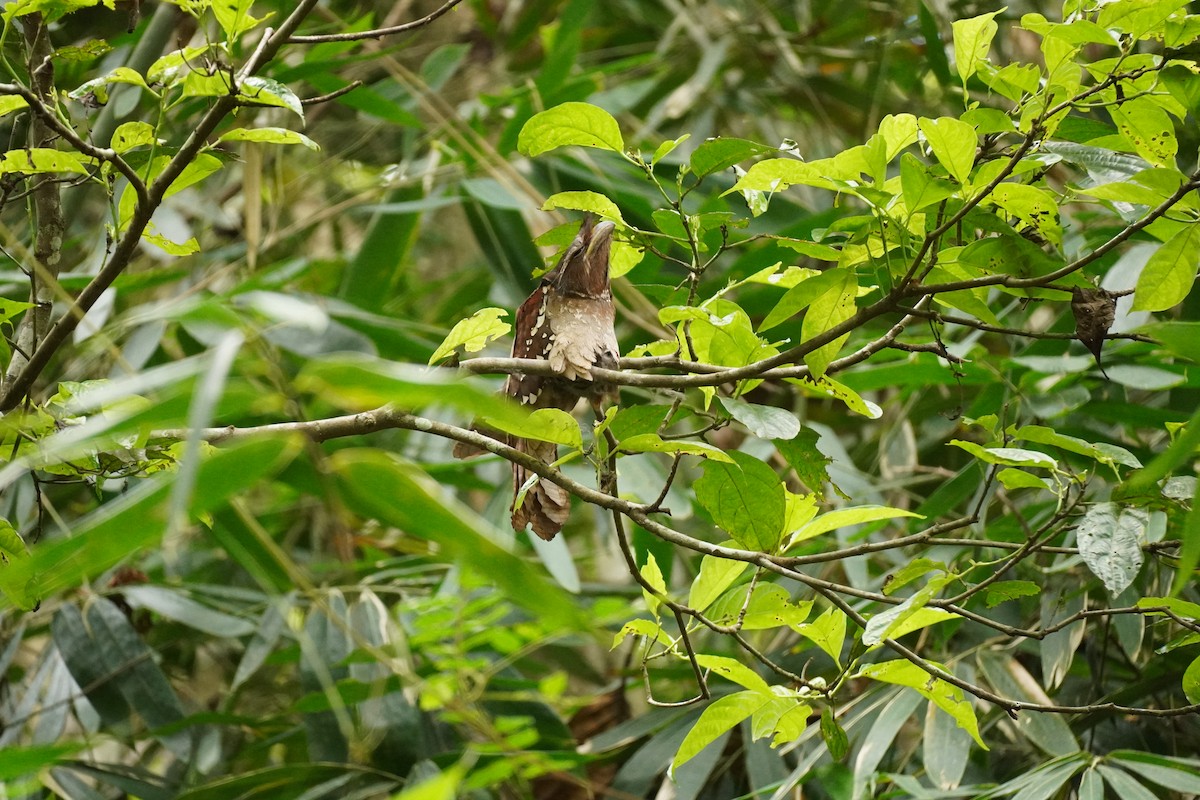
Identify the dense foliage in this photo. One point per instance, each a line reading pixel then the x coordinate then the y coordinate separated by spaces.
pixel 897 499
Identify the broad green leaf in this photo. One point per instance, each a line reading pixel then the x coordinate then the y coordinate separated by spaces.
pixel 719 154
pixel 946 696
pixel 920 188
pixel 1149 128
pixel 175 66
pixel 827 311
pixel 21 588
pixel 843 517
pixel 1181 607
pixel 648 628
pixel 1104 453
pixel 834 735
pixel 799 510
pixel 653 576
pixel 898 131
pixel 594 202
pixel 21 762
pixel 570 124
pixel 801 295
pixel 667 147
pixel 802 455
pixel 234 17
pixel 653 443
pixel 378 485
pixel 1110 538
pixel 544 424
pixel 1170 273
pixel 887 624
pixel 98 86
pixel 719 717
pixel 735 671
pixel 953 142
pixel 827 632
pixel 744 498
pixel 1003 591
pixel 715 576
pixel 1008 456
pixel 267 92
pixel 1016 479
pixel 910 572
pixel 972 41
pixel 12 102
pixel 765 422
pixel 1008 255
pixel 269 136
pixel 1139 19
pixel 473 333
pixel 41 159
pixel 1181 338
pixel 171 248
pixel 777 174
pixel 129 135
pixel 1033 206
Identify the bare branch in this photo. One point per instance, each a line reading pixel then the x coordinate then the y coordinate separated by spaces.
pixel 377 33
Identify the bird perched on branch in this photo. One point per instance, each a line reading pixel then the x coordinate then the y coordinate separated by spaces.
pixel 568 321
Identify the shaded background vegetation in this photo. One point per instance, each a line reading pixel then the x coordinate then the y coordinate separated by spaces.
pixel 296 642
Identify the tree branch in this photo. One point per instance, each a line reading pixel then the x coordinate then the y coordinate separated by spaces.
pixel 377 33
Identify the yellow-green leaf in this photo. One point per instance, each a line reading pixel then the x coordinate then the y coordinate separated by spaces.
pixel 953 142
pixel 269 136
pixel 1170 273
pixel 473 333
pixel 594 202
pixel 579 124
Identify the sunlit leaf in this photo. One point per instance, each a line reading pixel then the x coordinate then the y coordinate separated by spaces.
pixel 570 124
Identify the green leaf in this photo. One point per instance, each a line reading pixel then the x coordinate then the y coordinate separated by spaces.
pixel 953 143
pixel 234 17
pixel 716 575
pixel 1104 453
pixel 585 201
pixel 667 147
pixel 176 66
pixel 898 131
pixel 833 734
pixel 827 311
pixel 41 159
pixel 1016 479
pixel 1008 456
pixel 843 517
pixel 20 762
pixel 718 718
pixel 765 422
pixel 98 86
pixel 269 136
pixel 648 628
pixel 473 333
pixel 897 620
pixel 129 135
pixel 652 575
pixel 653 443
pixel 544 425
pixel 12 102
pixel 719 154
pixel 570 124
pixel 744 498
pixel 734 670
pixel 972 41
pixel 381 486
pixel 920 188
pixel 1003 591
pixel 20 588
pixel 801 295
pixel 1170 273
pixel 946 696
pixel 267 92
pixel 827 632
pixel 1033 206
pixel 1149 128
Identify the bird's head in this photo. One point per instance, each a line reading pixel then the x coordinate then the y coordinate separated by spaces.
pixel 583 269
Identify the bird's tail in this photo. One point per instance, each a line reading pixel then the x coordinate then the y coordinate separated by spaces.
pixel 545 505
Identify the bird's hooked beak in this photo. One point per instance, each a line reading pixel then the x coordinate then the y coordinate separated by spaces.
pixel 601 240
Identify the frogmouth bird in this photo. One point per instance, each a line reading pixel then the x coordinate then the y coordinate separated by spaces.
pixel 568 321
